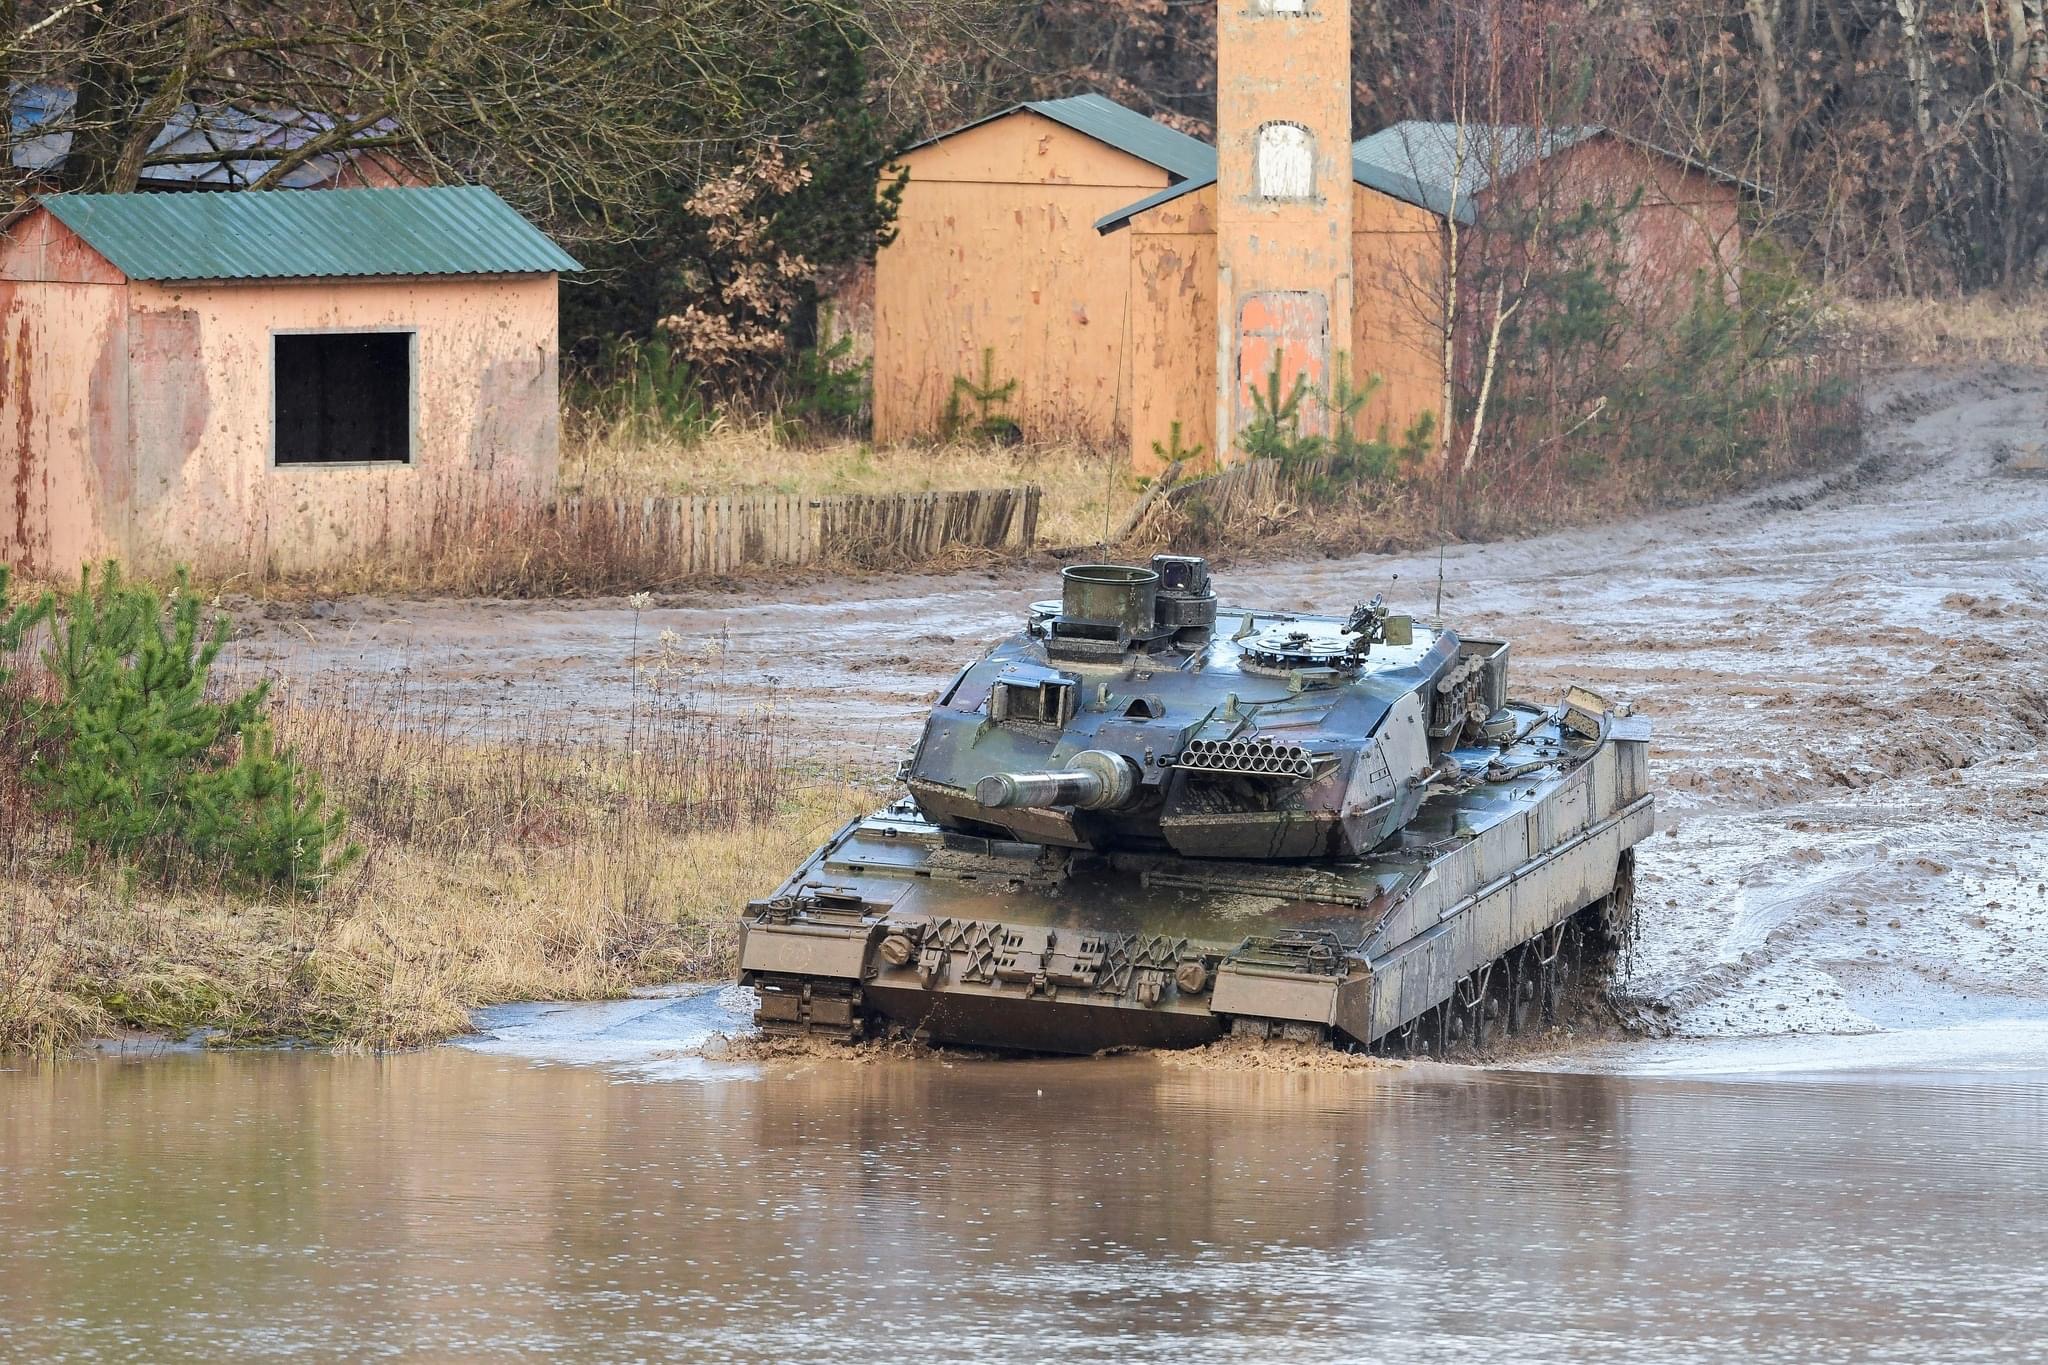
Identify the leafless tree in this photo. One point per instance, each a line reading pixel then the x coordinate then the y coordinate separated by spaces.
pixel 582 111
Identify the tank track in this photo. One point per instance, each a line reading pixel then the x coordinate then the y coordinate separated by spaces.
pixel 1551 980
pixel 1556 979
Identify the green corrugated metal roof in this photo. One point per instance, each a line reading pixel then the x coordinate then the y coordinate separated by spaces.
pixel 1390 182
pixel 1437 155
pixel 1117 126
pixel 310 234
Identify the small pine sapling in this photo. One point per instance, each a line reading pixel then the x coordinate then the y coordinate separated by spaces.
pixel 1173 454
pixel 143 764
pixel 133 722
pixel 1355 458
pixel 1275 433
pixel 662 393
pixel 990 423
pixel 828 390
pixel 264 819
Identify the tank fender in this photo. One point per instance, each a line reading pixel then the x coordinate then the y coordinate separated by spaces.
pixel 1253 994
pixel 819 931
pixel 1304 978
pixel 781 950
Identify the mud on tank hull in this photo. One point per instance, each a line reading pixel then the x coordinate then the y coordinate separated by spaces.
pixel 897 925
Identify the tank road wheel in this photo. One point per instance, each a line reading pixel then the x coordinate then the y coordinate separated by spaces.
pixel 1523 973
pixel 1613 921
pixel 1549 963
pixel 1474 999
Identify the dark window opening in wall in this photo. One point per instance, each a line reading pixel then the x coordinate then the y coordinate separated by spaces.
pixel 343 398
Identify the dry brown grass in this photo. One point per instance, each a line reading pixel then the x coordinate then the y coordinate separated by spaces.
pixel 464 539
pixel 1085 491
pixel 504 860
pixel 1974 329
pixel 402 951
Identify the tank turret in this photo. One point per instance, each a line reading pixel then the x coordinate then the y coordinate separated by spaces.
pixel 1133 713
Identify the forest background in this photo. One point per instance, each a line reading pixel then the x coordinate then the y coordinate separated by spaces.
pixel 715 164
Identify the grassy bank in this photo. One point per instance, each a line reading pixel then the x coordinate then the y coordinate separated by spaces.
pixel 505 858
pixel 1086 492
pixel 1973 329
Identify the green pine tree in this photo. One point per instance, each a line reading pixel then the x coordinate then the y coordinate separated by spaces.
pixel 1274 432
pixel 989 397
pixel 147 769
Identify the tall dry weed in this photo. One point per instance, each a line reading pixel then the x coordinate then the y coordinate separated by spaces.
pixel 512 852
pixel 1975 328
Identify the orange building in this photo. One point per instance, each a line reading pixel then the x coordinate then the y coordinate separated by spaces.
pixel 1292 243
pixel 994 254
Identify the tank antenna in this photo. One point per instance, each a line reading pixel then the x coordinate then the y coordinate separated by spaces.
pixel 1439 582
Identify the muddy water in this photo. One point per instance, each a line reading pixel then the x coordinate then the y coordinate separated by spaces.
pixel 462 1203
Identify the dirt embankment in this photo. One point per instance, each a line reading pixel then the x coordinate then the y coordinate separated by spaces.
pixel 1842 672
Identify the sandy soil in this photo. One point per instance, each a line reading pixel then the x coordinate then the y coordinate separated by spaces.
pixel 1843 675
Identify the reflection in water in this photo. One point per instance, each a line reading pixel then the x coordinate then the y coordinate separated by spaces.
pixel 447 1202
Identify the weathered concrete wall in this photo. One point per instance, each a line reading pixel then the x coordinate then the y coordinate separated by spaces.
pixel 1283 259
pixel 1397 259
pixel 1172 348
pixel 63 400
pixel 135 418
pixel 206 491
pixel 1397 253
pixel 996 247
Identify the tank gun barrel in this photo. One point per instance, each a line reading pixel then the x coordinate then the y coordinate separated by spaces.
pixel 1004 791
pixel 1098 780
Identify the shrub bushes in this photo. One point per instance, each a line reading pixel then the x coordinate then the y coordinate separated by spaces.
pixel 145 767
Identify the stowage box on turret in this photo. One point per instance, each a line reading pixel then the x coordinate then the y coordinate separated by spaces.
pixel 1146 820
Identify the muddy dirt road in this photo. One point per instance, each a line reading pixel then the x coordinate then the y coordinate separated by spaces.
pixel 1844 676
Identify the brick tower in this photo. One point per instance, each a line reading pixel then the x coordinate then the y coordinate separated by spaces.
pixel 1283 201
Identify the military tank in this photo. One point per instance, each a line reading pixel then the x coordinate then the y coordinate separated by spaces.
pixel 1146 820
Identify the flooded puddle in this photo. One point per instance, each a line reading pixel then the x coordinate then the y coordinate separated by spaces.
pixel 500 1200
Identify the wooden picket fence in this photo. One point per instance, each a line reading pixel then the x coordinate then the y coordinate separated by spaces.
pixel 724 533
pixel 1200 505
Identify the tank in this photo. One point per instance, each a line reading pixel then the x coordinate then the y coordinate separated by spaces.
pixel 1147 820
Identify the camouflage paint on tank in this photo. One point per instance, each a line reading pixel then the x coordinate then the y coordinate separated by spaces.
pixel 1301 824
